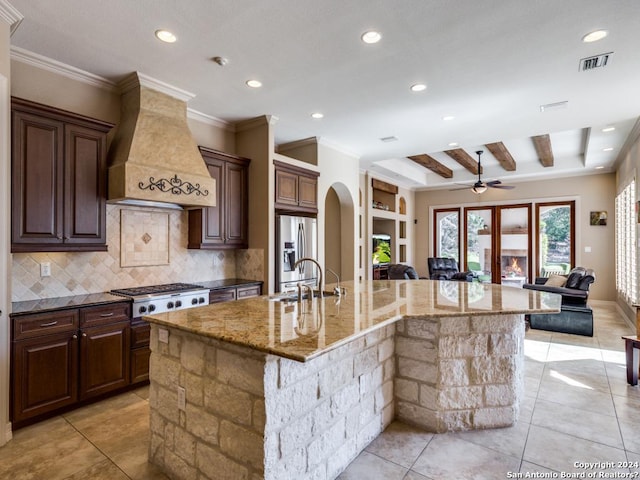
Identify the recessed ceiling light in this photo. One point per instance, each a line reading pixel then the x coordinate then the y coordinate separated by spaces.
pixel 607 149
pixel 453 144
pixel 371 37
pixel 166 36
pixel 418 87
pixel 448 118
pixel 599 167
pixel 608 129
pixel 254 83
pixel 595 36
pixel 317 115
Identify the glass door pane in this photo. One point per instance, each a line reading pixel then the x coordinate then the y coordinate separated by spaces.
pixel 556 237
pixel 514 245
pixel 479 242
pixel 447 234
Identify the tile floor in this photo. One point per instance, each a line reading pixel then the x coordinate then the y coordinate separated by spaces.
pixel 577 408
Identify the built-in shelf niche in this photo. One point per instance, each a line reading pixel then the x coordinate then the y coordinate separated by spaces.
pixel 403 253
pixel 384 195
pixel 403 229
pixel 402 206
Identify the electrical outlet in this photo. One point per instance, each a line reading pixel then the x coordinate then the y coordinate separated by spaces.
pixel 163 335
pixel 45 269
pixel 182 399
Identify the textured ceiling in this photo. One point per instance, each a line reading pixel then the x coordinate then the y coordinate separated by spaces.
pixel 491 64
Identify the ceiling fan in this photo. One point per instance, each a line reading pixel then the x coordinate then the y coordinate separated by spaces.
pixel 480 186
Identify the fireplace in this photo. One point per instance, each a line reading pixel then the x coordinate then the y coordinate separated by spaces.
pixel 514 268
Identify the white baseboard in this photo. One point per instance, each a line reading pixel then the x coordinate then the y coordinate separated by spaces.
pixel 8 434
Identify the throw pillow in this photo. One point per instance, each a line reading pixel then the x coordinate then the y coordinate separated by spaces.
pixel 556 281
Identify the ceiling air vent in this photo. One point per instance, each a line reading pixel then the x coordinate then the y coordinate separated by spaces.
pixel 597 61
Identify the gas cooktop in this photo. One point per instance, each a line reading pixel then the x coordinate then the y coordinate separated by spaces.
pixel 156 289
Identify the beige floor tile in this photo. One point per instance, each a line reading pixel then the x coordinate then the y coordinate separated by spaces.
pixel 371 467
pixel 578 423
pixel 400 443
pixel 508 441
pixel 104 470
pixel 576 396
pixel 411 475
pixel 559 451
pixel 448 456
pixel 532 468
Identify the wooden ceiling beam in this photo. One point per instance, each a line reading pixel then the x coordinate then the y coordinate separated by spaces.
pixel 432 164
pixel 544 150
pixel 500 152
pixel 464 159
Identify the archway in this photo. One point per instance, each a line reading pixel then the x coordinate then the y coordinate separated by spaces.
pixel 339 233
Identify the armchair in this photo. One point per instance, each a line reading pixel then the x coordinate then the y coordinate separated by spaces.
pixel 398 271
pixel 446 269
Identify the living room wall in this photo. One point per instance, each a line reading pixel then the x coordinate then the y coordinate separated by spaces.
pixel 591 192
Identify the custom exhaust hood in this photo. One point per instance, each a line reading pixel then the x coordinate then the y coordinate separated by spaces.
pixel 153 158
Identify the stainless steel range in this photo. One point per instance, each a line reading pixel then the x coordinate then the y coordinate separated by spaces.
pixel 164 298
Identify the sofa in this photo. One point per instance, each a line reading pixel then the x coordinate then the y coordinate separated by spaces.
pixel 575 317
pixel 446 269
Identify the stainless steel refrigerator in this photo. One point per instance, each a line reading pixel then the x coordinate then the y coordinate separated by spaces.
pixel 296 237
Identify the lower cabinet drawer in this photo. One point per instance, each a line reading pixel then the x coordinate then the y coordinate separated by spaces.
pixel 104 314
pixel 37 324
pixel 246 292
pixel 140 333
pixel 226 295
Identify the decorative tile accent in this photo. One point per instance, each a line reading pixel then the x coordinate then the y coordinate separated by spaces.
pixel 138 247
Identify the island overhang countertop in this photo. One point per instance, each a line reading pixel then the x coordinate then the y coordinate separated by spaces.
pixel 309 328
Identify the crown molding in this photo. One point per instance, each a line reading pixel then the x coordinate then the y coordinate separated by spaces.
pixel 11 15
pixel 46 63
pixel 252 123
pixel 210 120
pixel 140 79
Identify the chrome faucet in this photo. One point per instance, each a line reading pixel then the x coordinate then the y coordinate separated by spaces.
pixel 337 290
pixel 320 279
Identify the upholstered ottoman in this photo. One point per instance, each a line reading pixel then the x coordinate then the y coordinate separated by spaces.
pixel 572 319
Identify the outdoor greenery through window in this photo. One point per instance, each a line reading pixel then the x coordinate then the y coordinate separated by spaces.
pixel 555 238
pixel 447 234
pixel 626 243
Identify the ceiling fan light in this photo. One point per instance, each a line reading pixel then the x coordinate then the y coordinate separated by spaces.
pixel 479 189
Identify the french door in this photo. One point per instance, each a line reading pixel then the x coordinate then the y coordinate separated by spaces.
pixel 497 242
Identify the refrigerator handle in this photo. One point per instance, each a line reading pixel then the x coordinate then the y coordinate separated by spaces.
pixel 300 247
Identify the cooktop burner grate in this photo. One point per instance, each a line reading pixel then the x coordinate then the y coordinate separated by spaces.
pixel 156 289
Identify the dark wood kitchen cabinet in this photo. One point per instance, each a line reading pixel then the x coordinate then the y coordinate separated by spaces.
pixel 58 180
pixel 63 357
pixel 224 226
pixel 296 188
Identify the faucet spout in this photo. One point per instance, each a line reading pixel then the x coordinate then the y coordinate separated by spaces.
pixel 320 276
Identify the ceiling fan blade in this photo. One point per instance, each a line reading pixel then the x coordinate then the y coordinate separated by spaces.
pixel 493 182
pixel 504 187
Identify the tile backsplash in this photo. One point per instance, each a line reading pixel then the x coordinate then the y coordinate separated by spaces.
pixel 94 272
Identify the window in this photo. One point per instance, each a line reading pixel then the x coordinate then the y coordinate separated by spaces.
pixel 447 234
pixel 555 250
pixel 626 243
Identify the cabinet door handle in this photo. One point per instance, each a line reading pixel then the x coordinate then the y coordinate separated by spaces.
pixel 84 335
pixel 50 324
pixel 75 337
pixel 59 237
pixel 107 315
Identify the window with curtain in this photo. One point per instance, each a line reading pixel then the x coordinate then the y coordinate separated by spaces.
pixel 626 243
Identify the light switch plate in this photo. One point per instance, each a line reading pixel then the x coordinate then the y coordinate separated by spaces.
pixel 45 269
pixel 587 249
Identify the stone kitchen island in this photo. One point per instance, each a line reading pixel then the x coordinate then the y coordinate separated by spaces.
pixel 266 388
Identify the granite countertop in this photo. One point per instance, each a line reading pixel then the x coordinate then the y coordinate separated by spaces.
pixel 302 331
pixel 57 303
pixel 75 301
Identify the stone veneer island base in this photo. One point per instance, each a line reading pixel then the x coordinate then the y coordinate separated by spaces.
pixel 281 404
